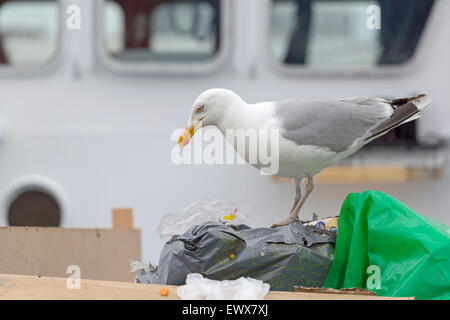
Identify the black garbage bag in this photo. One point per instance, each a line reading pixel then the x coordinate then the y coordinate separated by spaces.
pixel 284 257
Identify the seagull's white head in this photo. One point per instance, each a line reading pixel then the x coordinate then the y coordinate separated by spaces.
pixel 208 110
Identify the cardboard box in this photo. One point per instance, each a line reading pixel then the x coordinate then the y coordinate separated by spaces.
pixel 100 254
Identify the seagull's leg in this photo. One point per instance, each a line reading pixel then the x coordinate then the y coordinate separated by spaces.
pixel 293 216
pixel 298 193
pixel 309 187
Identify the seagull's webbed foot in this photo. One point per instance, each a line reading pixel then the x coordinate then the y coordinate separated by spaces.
pixel 285 222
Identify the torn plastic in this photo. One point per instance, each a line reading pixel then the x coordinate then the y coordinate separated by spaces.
pixel 284 257
pixel 386 247
pixel 201 211
pixel 199 288
pixel 138 266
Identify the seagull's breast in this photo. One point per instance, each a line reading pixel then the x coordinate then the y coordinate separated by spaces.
pixel 243 128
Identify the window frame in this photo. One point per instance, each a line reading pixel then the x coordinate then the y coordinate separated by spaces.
pixel 48 67
pixel 377 71
pixel 167 68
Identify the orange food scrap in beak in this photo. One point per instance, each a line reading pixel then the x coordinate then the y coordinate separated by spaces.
pixel 187 135
pixel 184 139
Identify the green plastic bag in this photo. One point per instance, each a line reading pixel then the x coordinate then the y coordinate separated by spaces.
pixel 385 247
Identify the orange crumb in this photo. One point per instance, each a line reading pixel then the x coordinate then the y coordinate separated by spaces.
pixel 164 292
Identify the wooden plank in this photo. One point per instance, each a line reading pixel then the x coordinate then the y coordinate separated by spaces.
pixel 373 174
pixel 44 288
pixel 101 254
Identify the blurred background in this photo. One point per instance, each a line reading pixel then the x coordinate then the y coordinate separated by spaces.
pixel 87 111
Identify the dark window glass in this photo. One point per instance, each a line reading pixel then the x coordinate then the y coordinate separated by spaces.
pixel 34 208
pixel 334 33
pixel 28 32
pixel 161 30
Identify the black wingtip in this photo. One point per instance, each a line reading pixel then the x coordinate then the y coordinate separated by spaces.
pixel 401 115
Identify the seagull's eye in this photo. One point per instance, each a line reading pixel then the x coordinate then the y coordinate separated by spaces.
pixel 200 109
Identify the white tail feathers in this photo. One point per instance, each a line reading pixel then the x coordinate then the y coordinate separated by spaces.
pixel 422 102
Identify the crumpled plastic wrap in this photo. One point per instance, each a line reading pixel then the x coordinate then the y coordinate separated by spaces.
pixel 284 257
pixel 199 288
pixel 201 211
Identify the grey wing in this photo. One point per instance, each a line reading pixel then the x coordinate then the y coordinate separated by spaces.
pixel 329 123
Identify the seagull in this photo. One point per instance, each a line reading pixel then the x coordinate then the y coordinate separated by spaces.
pixel 313 133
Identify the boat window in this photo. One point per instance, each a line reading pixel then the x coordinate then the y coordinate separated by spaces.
pixel 161 31
pixel 34 208
pixel 28 32
pixel 350 34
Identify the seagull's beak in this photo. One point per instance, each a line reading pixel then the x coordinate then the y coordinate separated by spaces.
pixel 188 133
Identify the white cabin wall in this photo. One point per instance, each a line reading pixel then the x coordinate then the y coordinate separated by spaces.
pixel 104 139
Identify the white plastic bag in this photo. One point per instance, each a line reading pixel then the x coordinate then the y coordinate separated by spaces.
pixel 199 288
pixel 199 212
pixel 139 265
